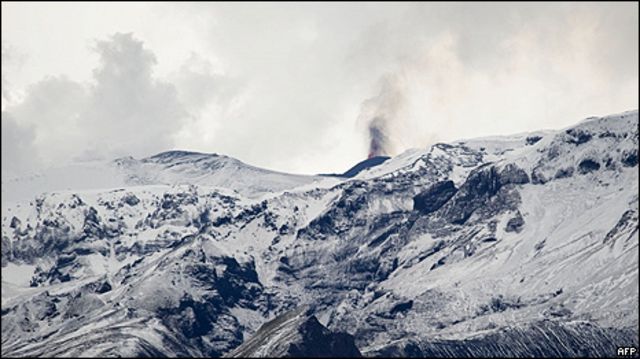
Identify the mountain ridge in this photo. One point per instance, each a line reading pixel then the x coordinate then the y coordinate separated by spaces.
pixel 456 246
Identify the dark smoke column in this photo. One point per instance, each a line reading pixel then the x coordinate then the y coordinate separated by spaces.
pixel 378 140
pixel 380 112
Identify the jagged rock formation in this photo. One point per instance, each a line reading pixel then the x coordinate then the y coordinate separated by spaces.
pixel 296 334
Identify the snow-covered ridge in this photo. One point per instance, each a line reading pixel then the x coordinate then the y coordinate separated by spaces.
pixel 458 246
pixel 167 168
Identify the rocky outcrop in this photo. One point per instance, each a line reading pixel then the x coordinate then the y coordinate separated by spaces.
pixel 481 187
pixel 588 165
pixel 296 334
pixel 515 224
pixel 434 197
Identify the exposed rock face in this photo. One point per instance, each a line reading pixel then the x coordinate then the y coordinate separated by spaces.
pixel 588 165
pixel 630 158
pixel 515 224
pixel 578 136
pixel 296 334
pixel 512 174
pixel 488 188
pixel 531 140
pixel 434 197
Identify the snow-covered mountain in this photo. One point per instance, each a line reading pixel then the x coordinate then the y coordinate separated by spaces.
pixel 509 246
pixel 212 171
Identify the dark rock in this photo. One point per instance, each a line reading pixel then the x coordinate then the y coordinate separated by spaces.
pixel 401 307
pixel 564 172
pixel 439 263
pixel 103 288
pixel 537 177
pixel 131 199
pixel 284 229
pixel 630 159
pixel 577 136
pixel 481 184
pixel 512 174
pixel 100 286
pixel 341 216
pixel 296 334
pixel 500 304
pixel 607 134
pixel 533 139
pixel 199 323
pixel 480 191
pixel 432 250
pixel 557 312
pixel 15 223
pixel 383 237
pixel 167 203
pixel 515 224
pixel 587 166
pixel 92 225
pixel 553 151
pixel 366 164
pixel 627 223
pixel 76 201
pixel 610 164
pixel 196 319
pixel 434 197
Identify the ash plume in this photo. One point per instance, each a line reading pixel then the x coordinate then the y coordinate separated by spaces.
pixel 380 113
pixel 378 139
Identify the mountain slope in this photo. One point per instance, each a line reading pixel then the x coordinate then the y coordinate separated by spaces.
pixel 454 250
pixel 298 335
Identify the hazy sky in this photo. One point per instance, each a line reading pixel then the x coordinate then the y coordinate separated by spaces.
pixel 291 86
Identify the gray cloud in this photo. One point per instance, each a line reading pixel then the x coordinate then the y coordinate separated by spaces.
pixel 456 65
pixel 43 127
pixel 294 86
pixel 313 72
pixel 124 111
pixel 199 85
pixel 18 152
pixel 129 112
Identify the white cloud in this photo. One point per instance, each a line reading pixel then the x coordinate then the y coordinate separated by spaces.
pixel 129 111
pixel 124 111
pixel 282 85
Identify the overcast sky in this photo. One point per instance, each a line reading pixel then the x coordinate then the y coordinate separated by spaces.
pixel 293 87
